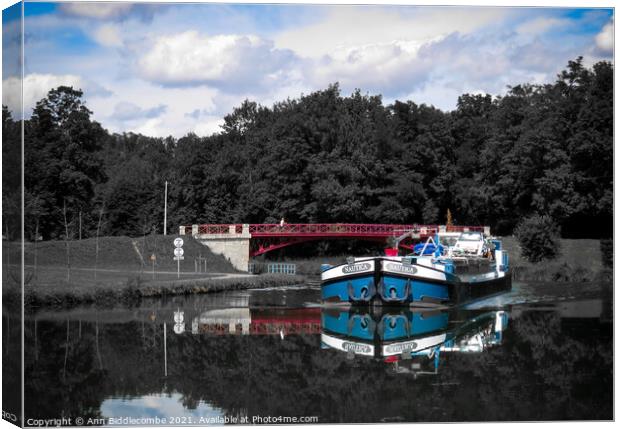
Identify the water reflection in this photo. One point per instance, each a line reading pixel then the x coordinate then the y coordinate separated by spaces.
pixel 259 321
pixel 200 358
pixel 156 406
pixel 411 341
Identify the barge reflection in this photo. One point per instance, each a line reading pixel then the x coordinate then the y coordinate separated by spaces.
pixel 411 342
pixel 245 361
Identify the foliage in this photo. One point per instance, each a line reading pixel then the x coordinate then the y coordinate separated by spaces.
pixel 607 253
pixel 323 157
pixel 565 368
pixel 537 237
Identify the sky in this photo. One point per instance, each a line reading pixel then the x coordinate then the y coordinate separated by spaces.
pixel 160 406
pixel 171 69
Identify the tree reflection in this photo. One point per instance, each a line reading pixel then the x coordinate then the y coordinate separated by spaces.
pixel 548 368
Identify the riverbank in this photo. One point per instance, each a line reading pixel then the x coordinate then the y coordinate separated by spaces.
pixel 130 293
pixel 120 270
pixel 578 261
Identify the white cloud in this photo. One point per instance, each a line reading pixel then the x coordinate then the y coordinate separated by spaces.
pixel 349 26
pixel 209 125
pixel 153 127
pixel 97 10
pixel 205 65
pixel 540 25
pixel 159 111
pixel 384 67
pixel 605 39
pixel 11 95
pixel 126 111
pixel 232 61
pixel 108 35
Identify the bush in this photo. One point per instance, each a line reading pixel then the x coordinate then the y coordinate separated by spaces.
pixel 538 238
pixel 607 253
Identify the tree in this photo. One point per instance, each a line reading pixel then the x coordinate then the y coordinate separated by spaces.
pixel 11 175
pixel 538 238
pixel 62 162
pixel 327 157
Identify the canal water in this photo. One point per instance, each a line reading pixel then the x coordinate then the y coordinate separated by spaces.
pixel 542 352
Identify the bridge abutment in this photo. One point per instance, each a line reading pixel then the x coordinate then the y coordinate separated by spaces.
pixel 232 245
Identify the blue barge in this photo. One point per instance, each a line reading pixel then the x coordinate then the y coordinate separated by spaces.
pixel 472 268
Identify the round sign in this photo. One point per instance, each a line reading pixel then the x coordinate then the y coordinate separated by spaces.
pixel 179 328
pixel 178 242
pixel 178 251
pixel 178 317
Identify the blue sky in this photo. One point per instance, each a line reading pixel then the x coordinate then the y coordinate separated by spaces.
pixel 168 69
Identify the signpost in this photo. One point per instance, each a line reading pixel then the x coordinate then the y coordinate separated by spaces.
pixel 178 254
pixel 179 323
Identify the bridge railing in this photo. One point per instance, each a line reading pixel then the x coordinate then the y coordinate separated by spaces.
pixel 327 229
pixel 219 228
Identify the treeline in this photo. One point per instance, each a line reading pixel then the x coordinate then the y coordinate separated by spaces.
pixel 540 149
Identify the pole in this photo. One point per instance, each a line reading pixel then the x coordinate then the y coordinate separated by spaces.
pixel 166 208
pixel 165 353
pixel 80 225
pixel 178 267
pixel 153 261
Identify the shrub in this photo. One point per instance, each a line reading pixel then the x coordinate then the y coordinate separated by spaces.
pixel 607 253
pixel 538 238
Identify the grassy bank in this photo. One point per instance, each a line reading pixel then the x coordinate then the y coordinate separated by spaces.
pixel 132 291
pixel 116 253
pixel 119 270
pixel 577 261
pixel 91 262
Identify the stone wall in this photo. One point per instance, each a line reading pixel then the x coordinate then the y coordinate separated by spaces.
pixel 234 247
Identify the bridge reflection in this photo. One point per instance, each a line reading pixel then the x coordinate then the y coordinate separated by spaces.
pixel 246 321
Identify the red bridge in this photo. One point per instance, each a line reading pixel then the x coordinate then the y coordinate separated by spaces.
pixel 267 237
